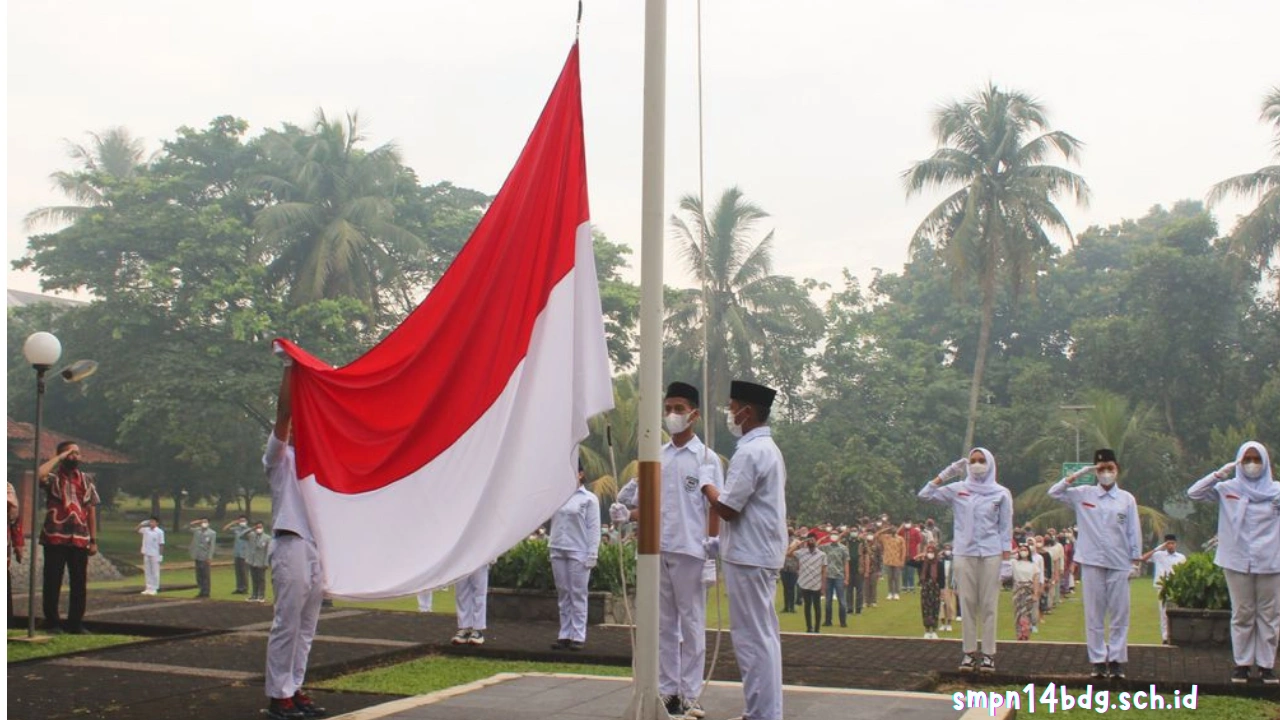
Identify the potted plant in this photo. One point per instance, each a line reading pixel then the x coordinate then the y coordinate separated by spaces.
pixel 522 586
pixel 1197 602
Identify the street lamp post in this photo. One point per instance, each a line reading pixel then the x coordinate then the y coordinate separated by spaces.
pixel 42 350
pixel 1077 409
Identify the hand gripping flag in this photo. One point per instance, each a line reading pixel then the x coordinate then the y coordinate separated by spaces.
pixel 456 436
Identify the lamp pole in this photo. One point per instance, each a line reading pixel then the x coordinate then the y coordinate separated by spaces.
pixel 42 350
pixel 1077 410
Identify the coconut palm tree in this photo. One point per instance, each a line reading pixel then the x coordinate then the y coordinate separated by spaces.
pixel 111 154
pixel 332 225
pixel 1134 433
pixel 1257 236
pixel 755 316
pixel 994 227
pixel 622 425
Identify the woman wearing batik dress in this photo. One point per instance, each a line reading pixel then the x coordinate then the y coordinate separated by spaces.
pixel 1025 575
pixel 932 574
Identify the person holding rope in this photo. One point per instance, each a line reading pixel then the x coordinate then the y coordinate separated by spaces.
pixel 574 546
pixel 753 543
pixel 689 538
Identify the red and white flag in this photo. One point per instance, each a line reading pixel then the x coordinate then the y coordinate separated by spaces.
pixel 456 436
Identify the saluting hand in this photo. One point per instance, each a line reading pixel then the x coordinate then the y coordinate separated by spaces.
pixel 1225 472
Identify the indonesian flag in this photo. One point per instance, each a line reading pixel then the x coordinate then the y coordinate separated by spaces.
pixel 456 436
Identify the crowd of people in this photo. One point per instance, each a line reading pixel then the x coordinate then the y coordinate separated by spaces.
pixel 738 517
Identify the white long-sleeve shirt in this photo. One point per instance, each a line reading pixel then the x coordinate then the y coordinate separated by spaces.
pixel 984 523
pixel 575 528
pixel 685 471
pixel 1109 535
pixel 1248 532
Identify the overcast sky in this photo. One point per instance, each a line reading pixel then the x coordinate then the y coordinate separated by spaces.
pixel 812 108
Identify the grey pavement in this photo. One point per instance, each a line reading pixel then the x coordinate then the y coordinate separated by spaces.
pixel 575 697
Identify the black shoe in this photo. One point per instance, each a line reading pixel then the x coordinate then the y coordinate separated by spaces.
pixel 78 630
pixel 53 627
pixel 575 645
pixel 1116 670
pixel 968 664
pixel 561 644
pixel 988 664
pixel 674 707
pixel 1240 675
pixel 477 637
pixel 1268 676
pixel 826 624
pixel 308 708
pixel 692 709
pixel 284 709
pixel 1099 670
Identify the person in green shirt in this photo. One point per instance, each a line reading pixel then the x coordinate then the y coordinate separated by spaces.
pixel 837 571
pixel 258 546
pixel 203 541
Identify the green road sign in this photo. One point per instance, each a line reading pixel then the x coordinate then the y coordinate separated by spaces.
pixel 1086 479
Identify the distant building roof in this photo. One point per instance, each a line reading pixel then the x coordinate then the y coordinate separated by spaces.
pixel 21 435
pixel 20 298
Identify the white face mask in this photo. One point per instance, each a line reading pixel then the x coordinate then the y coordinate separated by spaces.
pixel 734 428
pixel 929 555
pixel 676 423
pixel 1107 479
pixel 204 525
pixel 258 530
pixel 1251 470
pixel 978 469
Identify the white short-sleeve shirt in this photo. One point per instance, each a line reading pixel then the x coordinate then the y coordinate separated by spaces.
pixel 152 541
pixel 287 509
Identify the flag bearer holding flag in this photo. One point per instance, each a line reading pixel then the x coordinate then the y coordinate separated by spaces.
pixel 295 572
pixel 754 542
pixel 689 538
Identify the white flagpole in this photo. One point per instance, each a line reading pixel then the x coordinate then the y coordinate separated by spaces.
pixel 645 701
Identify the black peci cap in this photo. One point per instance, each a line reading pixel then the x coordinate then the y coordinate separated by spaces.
pixel 1104 455
pixel 684 391
pixel 749 392
pixel 1171 536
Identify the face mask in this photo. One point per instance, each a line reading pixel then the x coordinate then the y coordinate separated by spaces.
pixel 676 423
pixel 1024 556
pixel 907 526
pixel 978 469
pixel 1107 479
pixel 204 525
pixel 730 419
pixel 1251 470
pixel 929 555
pixel 258 530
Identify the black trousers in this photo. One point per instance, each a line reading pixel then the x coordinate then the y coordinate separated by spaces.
pixel 812 602
pixel 242 576
pixel 789 590
pixel 259 576
pixel 75 561
pixel 853 591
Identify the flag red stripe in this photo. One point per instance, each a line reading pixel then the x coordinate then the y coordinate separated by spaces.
pixel 393 410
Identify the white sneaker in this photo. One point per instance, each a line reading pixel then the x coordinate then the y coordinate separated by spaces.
pixel 928 636
pixel 948 627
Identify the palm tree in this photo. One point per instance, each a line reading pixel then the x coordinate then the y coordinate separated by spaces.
pixel 755 316
pixel 1257 236
pixel 994 226
pixel 622 425
pixel 112 154
pixel 332 226
pixel 1144 451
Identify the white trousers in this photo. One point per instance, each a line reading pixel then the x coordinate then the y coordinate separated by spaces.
pixel 572 577
pixel 471 596
pixel 1255 617
pixel 151 569
pixel 978 585
pixel 425 599
pixel 299 590
pixel 757 645
pixel 1164 621
pixel 682 624
pixel 1106 593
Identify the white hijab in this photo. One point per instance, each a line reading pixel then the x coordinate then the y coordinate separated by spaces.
pixel 984 484
pixel 1265 488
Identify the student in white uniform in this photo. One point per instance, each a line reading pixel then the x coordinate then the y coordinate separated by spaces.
pixel 753 541
pixel 574 545
pixel 152 553
pixel 1110 544
pixel 983 511
pixel 295 572
pixel 1248 500
pixel 1164 558
pixel 689 531
pixel 471 600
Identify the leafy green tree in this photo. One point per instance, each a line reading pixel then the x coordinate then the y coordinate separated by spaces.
pixel 994 228
pixel 757 319
pixel 1257 236
pixel 331 227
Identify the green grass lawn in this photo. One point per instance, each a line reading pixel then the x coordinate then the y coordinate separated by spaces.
pixel 436 672
pixel 1208 707
pixel 61 644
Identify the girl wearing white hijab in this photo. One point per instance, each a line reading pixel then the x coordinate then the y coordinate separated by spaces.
pixel 983 511
pixel 1248 500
